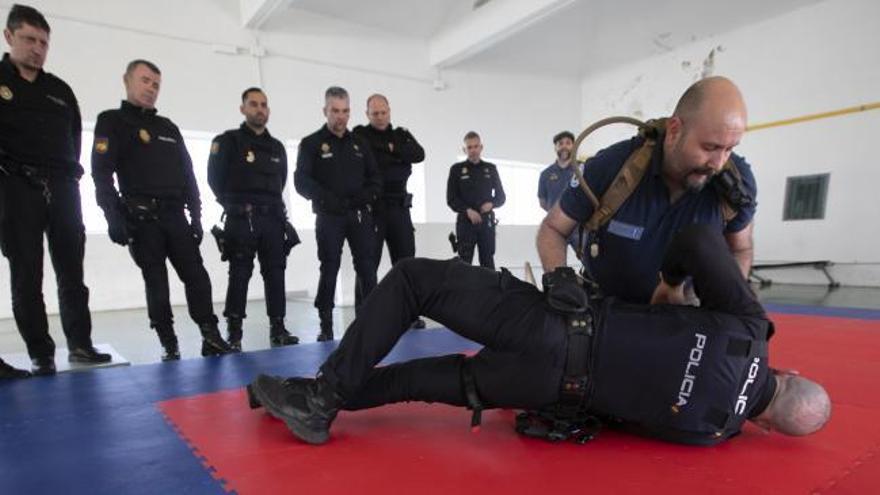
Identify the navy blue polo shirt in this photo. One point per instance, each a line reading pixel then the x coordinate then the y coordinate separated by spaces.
pixel 632 244
pixel 553 182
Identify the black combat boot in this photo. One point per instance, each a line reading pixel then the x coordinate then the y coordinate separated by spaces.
pixel 169 342
pixel 212 343
pixel 308 415
pixel 43 366
pixel 294 385
pixel 326 317
pixel 87 355
pixel 278 335
pixel 8 372
pixel 234 332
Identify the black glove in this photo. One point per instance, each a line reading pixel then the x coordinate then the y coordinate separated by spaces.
pixel 117 227
pixel 195 228
pixel 563 292
pixel 291 238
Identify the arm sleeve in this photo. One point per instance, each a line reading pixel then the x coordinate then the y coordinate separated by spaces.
pixel 373 178
pixel 191 192
pixel 76 129
pixel 303 177
pixel 218 166
pixel 407 147
pixel 283 167
pixel 452 197
pixel 701 252
pixel 542 188
pixel 105 153
pixel 500 197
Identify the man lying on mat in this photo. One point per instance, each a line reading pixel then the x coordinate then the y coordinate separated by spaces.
pixel 679 373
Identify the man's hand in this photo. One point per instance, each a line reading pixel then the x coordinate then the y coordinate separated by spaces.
pixel 669 294
pixel 117 228
pixel 486 207
pixel 474 216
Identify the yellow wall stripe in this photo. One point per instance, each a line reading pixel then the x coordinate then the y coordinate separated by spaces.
pixel 815 116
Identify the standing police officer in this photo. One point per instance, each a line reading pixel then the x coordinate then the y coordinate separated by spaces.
pixel 395 150
pixel 40 137
pixel 156 182
pixel 247 171
pixel 473 191
pixel 337 172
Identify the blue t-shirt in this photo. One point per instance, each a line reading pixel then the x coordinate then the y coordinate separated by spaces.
pixel 553 182
pixel 632 244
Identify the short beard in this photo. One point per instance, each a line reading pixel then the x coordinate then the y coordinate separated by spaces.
pixel 563 156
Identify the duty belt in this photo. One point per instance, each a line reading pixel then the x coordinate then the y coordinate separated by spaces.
pixel 240 209
pixel 569 418
pixel 36 176
pixel 404 200
pixel 147 208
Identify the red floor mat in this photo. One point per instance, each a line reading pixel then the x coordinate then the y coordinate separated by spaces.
pixel 429 448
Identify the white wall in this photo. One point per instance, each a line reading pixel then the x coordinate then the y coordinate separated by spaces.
pixel 93 40
pixel 819 58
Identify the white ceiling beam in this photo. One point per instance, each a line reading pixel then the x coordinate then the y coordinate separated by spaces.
pixel 487 26
pixel 255 13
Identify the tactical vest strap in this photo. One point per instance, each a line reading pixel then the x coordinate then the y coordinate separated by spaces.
pixel 626 181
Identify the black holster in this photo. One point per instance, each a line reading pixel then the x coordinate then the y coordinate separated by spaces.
pixel 291 238
pixel 220 237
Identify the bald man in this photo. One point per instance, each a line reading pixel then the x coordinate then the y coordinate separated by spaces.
pixel 708 122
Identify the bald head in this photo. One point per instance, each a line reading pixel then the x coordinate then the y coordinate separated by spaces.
pixel 707 124
pixel 715 101
pixel 800 406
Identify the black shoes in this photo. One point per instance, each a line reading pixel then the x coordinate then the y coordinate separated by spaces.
pixel 170 348
pixel 234 332
pixel 7 372
pixel 43 366
pixel 170 353
pixel 418 324
pixel 278 335
pixel 212 343
pixel 87 355
pixel 326 317
pixel 294 386
pixel 308 415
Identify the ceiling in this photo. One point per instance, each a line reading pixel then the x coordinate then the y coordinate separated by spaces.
pixel 568 38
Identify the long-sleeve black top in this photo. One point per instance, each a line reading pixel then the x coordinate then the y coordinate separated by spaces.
pixel 147 153
pixel 245 167
pixel 472 184
pixel 395 150
pixel 40 123
pixel 340 168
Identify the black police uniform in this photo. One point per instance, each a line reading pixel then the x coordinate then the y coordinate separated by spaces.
pixel 156 182
pixel 469 186
pixel 395 150
pixel 684 374
pixel 248 172
pixel 40 137
pixel 340 176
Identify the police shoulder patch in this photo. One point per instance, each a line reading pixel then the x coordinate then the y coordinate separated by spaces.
pixel 5 93
pixel 102 144
pixel 215 147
